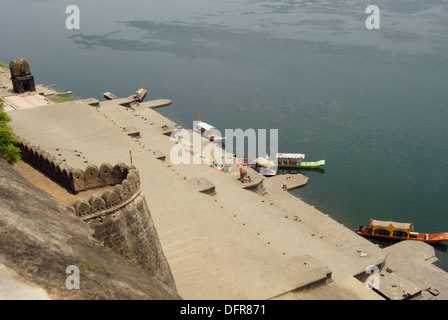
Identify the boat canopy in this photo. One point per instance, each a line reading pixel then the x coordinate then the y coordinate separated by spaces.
pixel 263 162
pixel 393 224
pixel 204 125
pixel 300 156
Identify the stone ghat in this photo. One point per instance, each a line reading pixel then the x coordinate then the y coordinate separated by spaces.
pixel 110 200
pixel 74 180
pixel 40 239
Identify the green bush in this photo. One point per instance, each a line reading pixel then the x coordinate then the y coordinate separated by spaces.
pixel 8 150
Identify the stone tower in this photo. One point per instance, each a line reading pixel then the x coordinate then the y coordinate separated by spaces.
pixel 21 77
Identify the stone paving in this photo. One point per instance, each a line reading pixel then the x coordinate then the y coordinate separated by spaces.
pixel 229 244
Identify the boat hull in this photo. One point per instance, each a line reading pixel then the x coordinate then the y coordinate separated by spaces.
pixel 425 237
pixel 267 173
pixel 139 95
pixel 304 164
pixel 110 96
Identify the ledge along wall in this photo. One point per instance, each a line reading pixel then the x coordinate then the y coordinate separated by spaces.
pixel 74 180
pixel 120 217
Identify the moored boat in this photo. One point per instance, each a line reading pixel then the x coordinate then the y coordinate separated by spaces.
pixel 208 131
pixel 139 95
pixel 295 160
pixel 110 96
pixel 399 231
pixel 312 164
pixel 265 167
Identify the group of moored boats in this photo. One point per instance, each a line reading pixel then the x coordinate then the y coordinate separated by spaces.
pixel 377 229
pixel 268 167
pixel 262 165
pixel 138 96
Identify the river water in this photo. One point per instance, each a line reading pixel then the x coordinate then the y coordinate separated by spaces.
pixel 372 103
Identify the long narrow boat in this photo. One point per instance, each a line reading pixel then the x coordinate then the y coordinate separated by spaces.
pixel 209 132
pixel 295 160
pixel 399 231
pixel 110 95
pixel 139 95
pixel 314 164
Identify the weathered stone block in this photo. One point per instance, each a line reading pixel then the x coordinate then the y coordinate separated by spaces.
pixel 111 198
pixel 52 168
pixel 130 184
pixel 34 156
pixel 122 191
pixel 134 175
pixel 119 172
pixel 97 204
pixel 66 180
pixel 77 180
pixel 91 177
pixel 47 164
pixel 62 178
pixel 26 153
pixel 105 174
pixel 41 161
pixel 82 208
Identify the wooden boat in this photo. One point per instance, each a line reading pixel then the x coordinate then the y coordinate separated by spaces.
pixel 295 160
pixel 208 131
pixel 139 95
pixel 314 164
pixel 300 170
pixel 265 167
pixel 110 95
pixel 399 231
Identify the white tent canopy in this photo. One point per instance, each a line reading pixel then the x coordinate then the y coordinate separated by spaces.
pixel 396 225
pixel 290 156
pixel 204 125
pixel 263 162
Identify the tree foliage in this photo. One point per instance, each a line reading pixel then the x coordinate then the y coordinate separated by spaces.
pixel 8 149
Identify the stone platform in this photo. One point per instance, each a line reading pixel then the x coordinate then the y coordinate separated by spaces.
pixel 233 244
pixel 236 244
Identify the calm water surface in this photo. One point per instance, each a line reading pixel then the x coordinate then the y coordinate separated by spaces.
pixel 373 104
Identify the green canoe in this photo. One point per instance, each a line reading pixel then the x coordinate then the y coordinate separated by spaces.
pixel 304 164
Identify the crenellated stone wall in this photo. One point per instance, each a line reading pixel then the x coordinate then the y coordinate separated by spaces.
pixel 110 199
pixel 122 221
pixel 129 230
pixel 33 259
pixel 74 180
pixel 120 216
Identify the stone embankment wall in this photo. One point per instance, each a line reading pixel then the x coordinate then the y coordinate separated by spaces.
pixel 129 231
pixel 74 180
pixel 120 217
pixel 34 258
pixel 111 199
pixel 122 221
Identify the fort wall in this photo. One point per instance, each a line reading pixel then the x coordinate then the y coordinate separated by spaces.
pixel 74 180
pixel 120 216
pixel 34 258
pixel 129 230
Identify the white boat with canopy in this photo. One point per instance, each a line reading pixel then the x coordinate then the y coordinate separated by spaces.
pixel 208 131
pixel 265 167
